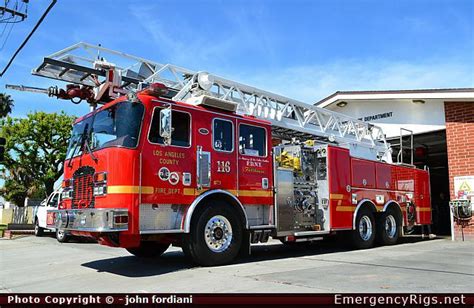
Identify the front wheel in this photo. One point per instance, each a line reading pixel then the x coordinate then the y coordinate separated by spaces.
pixel 364 234
pixel 38 230
pixel 149 249
pixel 216 235
pixel 388 228
pixel 62 236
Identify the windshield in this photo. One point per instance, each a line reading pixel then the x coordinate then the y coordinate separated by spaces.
pixel 118 126
pixel 79 130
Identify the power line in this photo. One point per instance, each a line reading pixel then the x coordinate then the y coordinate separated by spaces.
pixel 15 11
pixel 8 35
pixel 4 28
pixel 53 2
pixel 12 24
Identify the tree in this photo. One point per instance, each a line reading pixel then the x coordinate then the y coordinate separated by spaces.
pixel 6 104
pixel 35 150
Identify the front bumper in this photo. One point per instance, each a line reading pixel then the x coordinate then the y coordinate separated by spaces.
pixel 90 220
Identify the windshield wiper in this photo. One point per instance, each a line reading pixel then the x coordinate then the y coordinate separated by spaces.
pixel 86 145
pixel 81 142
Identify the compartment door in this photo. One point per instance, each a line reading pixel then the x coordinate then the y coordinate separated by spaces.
pixel 255 165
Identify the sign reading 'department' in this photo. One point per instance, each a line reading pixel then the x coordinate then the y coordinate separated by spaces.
pixel 377 116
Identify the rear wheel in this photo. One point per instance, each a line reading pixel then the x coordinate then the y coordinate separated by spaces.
pixel 364 234
pixel 38 230
pixel 149 249
pixel 388 228
pixel 216 235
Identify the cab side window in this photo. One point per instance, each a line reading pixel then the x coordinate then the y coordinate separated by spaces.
pixel 252 140
pixel 181 124
pixel 53 201
pixel 223 135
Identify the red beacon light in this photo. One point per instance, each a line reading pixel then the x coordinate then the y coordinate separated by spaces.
pixel 156 89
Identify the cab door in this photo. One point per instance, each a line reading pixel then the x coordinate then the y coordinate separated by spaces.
pixel 216 153
pixel 168 169
pixel 51 204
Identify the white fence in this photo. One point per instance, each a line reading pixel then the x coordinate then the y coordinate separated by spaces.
pixel 16 215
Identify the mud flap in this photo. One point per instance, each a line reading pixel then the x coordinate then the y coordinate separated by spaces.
pixel 246 248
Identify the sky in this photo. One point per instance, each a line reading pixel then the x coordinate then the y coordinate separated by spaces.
pixel 304 49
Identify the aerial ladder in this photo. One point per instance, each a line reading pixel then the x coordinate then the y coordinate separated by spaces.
pixel 94 75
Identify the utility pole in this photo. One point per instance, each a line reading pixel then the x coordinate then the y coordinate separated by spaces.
pixel 53 2
pixel 14 12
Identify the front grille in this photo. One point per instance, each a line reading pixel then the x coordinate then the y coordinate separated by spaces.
pixel 83 184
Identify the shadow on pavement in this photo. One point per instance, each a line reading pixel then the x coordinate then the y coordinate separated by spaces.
pixel 72 239
pixel 173 261
pixel 131 266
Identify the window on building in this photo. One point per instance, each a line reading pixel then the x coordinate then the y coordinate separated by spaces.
pixel 181 124
pixel 252 140
pixel 223 135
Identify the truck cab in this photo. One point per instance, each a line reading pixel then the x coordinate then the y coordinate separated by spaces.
pixel 129 184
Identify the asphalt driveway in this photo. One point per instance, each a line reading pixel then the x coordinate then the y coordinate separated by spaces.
pixel 31 264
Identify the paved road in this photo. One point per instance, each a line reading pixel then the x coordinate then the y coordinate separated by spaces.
pixel 32 264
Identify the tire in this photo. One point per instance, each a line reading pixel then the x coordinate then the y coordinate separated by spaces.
pixel 149 249
pixel 282 240
pixel 363 236
pixel 187 253
pixel 216 235
pixel 38 230
pixel 388 228
pixel 62 236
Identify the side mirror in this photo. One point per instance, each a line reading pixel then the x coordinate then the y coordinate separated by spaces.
pixel 165 125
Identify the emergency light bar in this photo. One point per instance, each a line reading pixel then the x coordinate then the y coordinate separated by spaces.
pixel 214 102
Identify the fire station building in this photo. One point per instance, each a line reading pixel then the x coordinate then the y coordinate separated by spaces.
pixel 437 132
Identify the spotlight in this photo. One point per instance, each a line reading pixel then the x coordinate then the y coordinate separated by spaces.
pixel 205 81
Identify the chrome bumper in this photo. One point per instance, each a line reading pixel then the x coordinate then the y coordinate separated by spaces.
pixel 91 220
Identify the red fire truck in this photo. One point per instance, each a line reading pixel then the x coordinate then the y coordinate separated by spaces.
pixel 212 165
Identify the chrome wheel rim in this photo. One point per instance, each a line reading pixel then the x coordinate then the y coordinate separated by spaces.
pixel 60 234
pixel 390 226
pixel 218 233
pixel 365 228
pixel 36 228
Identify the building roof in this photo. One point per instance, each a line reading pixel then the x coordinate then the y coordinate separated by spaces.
pixel 453 94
